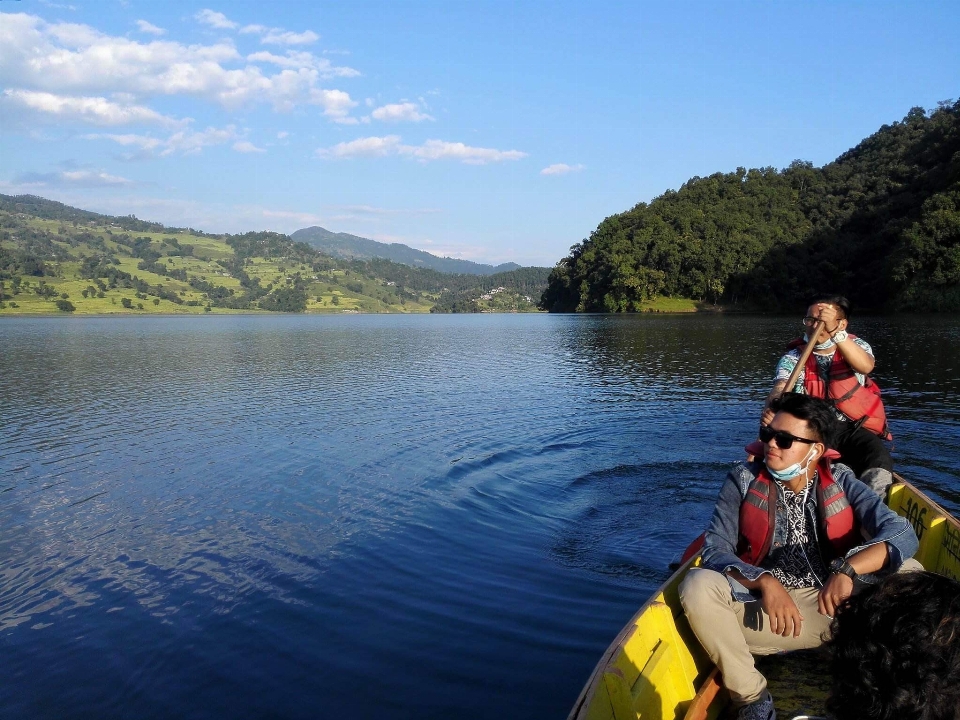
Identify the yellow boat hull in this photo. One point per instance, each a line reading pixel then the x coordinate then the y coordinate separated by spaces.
pixel 656 669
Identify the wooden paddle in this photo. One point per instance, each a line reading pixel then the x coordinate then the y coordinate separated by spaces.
pixel 801 363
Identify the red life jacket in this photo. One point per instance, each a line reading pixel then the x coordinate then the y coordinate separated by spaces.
pixel 854 400
pixel 758 514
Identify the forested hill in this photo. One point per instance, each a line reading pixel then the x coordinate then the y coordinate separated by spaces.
pixel 353 247
pixel 880 224
pixel 56 258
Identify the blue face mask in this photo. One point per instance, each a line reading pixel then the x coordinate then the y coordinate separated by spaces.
pixel 820 346
pixel 792 471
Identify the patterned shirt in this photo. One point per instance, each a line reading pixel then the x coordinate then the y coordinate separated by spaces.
pixel 799 564
pixel 789 361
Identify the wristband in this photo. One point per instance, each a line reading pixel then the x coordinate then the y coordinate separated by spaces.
pixel 841 567
pixel 839 336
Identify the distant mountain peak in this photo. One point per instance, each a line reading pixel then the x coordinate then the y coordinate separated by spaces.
pixel 354 247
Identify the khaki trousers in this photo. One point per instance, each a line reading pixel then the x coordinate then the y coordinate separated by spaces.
pixel 733 632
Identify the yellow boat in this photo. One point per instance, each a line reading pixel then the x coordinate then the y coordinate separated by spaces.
pixel 656 669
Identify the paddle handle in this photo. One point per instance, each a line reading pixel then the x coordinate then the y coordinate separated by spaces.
pixel 801 363
pixel 792 380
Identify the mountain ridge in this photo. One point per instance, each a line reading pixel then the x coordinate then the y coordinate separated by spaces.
pixel 55 258
pixel 355 247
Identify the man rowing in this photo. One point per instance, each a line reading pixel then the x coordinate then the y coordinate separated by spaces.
pixel 838 370
pixel 785 547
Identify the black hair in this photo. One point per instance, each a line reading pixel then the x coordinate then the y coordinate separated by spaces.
pixel 818 414
pixel 895 651
pixel 839 300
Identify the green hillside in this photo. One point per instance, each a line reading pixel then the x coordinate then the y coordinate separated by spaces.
pixel 881 224
pixel 59 259
pixel 353 247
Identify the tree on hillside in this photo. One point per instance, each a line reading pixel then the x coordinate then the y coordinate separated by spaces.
pixel 288 299
pixel 878 224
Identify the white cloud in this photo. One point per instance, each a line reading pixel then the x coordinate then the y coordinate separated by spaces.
pixel 282 134
pixel 245 146
pixel 459 251
pixel 400 112
pixel 336 104
pixel 77 60
pixel 144 142
pixel 371 210
pixel 561 169
pixel 184 142
pixel 371 213
pixel 95 110
pixel 279 37
pixel 150 28
pixel 364 147
pixel 430 150
pixel 88 177
pixel 441 150
pixel 301 59
pixel 72 178
pixel 58 6
pixel 215 19
pixel 300 217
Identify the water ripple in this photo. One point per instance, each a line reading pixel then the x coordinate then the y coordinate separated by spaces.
pixel 250 516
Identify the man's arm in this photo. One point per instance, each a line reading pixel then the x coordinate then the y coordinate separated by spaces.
pixel 784 369
pixel 767 415
pixel 892 541
pixel 785 617
pixel 720 555
pixel 839 586
pixel 882 525
pixel 856 357
pixel 723 530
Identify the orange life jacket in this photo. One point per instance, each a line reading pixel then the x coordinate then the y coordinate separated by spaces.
pixel 854 400
pixel 758 514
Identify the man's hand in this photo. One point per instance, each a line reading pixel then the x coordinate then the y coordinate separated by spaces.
pixel 785 617
pixel 828 313
pixel 838 588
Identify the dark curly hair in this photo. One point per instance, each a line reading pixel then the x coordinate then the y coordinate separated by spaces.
pixel 895 652
pixel 818 414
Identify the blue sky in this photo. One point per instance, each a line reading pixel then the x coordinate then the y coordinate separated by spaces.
pixel 489 131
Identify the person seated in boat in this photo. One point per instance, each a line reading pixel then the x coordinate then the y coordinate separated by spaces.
pixel 785 547
pixel 838 370
pixel 895 651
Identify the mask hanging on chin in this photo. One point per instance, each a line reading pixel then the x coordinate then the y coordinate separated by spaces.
pixel 820 346
pixel 792 471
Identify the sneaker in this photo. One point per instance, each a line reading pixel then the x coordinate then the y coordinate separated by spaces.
pixel 760 710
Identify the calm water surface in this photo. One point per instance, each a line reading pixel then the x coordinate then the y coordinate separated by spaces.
pixel 376 516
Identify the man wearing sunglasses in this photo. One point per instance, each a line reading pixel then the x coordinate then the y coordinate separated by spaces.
pixel 785 547
pixel 838 370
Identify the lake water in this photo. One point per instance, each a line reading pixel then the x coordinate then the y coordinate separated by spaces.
pixel 376 516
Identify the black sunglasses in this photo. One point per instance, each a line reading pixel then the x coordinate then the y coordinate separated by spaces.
pixel 783 438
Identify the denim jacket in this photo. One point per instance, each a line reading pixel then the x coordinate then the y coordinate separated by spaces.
pixel 878 522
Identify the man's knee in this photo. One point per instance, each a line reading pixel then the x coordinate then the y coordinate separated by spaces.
pixel 878 479
pixel 910 565
pixel 862 450
pixel 702 589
